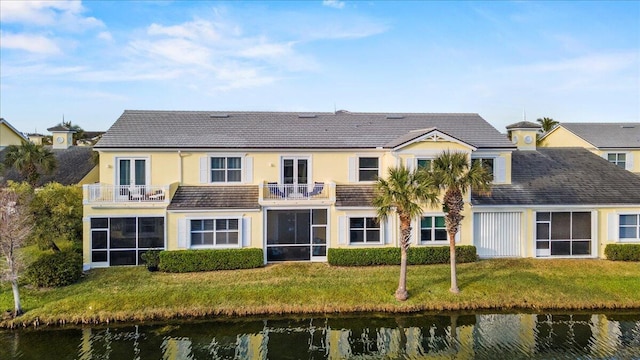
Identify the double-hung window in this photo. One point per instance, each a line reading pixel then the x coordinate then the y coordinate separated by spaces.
pixel 364 230
pixel 432 228
pixel 619 159
pixel 487 163
pixel 215 232
pixel 368 168
pixel 226 169
pixel 629 227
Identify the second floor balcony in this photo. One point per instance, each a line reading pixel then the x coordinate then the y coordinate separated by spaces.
pixel 125 194
pixel 275 193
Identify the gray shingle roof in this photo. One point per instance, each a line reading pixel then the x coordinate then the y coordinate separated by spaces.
pixel 607 135
pixel 215 197
pixel 524 125
pixel 199 129
pixel 355 195
pixel 74 163
pixel 564 176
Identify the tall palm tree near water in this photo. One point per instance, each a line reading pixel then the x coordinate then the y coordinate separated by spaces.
pixel 455 175
pixel 30 160
pixel 405 192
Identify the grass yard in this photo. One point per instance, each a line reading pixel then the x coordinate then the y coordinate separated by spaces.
pixel 133 294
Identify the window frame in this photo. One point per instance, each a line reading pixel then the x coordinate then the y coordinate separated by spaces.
pixel 358 168
pixel 108 249
pixel 226 168
pixel 636 227
pixel 493 164
pixel 215 232
pixel 617 160
pixel 432 229
pixel 571 238
pixel 429 160
pixel 364 229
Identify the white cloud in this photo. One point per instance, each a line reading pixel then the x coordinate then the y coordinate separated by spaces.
pixel 594 64
pixel 105 35
pixel 333 3
pixel 37 44
pixel 61 14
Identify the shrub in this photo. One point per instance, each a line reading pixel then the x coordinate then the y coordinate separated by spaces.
pixel 391 256
pixel 56 269
pixel 208 260
pixel 151 259
pixel 622 252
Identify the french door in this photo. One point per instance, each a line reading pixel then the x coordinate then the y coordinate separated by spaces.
pixel 132 175
pixel 295 174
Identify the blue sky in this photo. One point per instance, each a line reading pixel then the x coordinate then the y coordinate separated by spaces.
pixel 91 60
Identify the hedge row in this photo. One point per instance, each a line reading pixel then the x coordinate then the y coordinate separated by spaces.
pixel 391 256
pixel 54 270
pixel 622 252
pixel 209 260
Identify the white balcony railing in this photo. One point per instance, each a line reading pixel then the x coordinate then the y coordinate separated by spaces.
pixel 315 191
pixel 102 193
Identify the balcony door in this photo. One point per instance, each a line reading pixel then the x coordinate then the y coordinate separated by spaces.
pixel 132 175
pixel 295 174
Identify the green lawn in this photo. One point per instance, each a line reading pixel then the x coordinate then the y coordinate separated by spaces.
pixel 134 294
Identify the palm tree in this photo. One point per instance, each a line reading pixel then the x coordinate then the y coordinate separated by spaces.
pixel 30 160
pixel 405 192
pixel 454 175
pixel 547 124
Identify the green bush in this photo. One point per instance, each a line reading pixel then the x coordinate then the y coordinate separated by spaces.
pixel 54 270
pixel 391 256
pixel 622 252
pixel 208 260
pixel 151 259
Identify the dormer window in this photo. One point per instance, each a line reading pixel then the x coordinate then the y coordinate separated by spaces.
pixel 619 159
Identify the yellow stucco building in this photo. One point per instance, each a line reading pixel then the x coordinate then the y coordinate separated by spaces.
pixel 297 184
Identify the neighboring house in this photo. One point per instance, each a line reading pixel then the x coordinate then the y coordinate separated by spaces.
pixel 9 135
pixel 619 143
pixel 75 165
pixel 296 184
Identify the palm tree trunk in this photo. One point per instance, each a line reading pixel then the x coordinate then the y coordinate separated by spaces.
pixel 452 256
pixel 16 298
pixel 401 293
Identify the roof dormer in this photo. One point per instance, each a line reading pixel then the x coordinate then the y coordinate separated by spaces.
pixel 523 134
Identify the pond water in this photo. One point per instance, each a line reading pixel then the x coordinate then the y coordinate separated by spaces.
pixel 416 336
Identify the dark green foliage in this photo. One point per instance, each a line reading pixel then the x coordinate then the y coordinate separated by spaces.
pixel 54 270
pixel 622 252
pixel 57 211
pixel 209 260
pixel 391 256
pixel 151 259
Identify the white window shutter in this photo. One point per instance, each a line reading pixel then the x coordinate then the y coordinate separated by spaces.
pixel 629 161
pixel 500 171
pixel 353 169
pixel 388 229
pixel 612 226
pixel 182 233
pixel 246 231
pixel 457 237
pixel 204 170
pixel 248 169
pixel 342 230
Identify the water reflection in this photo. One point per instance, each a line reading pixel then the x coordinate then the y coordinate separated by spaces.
pixel 504 336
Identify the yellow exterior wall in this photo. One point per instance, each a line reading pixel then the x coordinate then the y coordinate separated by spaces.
pixel 93 176
pixel 8 136
pixel 561 137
